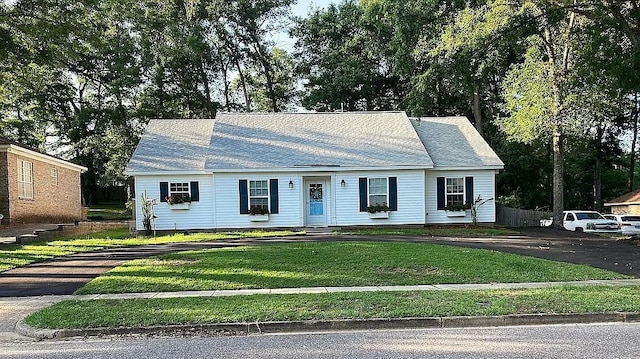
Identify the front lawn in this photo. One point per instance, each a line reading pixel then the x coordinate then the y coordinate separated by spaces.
pixel 349 263
pixel 109 211
pixel 261 308
pixel 19 255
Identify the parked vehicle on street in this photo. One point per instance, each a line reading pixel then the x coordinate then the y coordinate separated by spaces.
pixel 629 223
pixel 588 221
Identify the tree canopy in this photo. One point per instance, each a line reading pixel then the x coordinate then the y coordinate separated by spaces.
pixel 552 85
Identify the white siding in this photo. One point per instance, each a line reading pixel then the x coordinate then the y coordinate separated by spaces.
pixel 410 199
pixel 227 203
pixel 219 205
pixel 200 215
pixel 483 185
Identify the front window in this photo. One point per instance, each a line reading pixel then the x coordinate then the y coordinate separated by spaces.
pixel 25 179
pixel 179 192
pixel 455 192
pixel 378 193
pixel 259 194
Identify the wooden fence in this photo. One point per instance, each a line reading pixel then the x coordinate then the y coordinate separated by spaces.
pixel 514 217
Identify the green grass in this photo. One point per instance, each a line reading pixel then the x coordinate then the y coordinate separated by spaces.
pixel 435 231
pixel 20 255
pixel 255 308
pixel 109 211
pixel 333 264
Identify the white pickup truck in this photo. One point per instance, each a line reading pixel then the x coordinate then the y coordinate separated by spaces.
pixel 588 221
pixel 584 221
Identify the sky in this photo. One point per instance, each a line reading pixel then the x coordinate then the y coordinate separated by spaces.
pixel 301 9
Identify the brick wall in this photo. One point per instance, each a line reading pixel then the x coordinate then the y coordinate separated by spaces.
pixel 80 228
pixel 626 209
pixel 51 202
pixel 4 190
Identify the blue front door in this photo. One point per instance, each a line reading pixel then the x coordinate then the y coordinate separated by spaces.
pixel 316 203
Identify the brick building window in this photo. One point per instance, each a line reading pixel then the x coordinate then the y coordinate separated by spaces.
pixel 25 179
pixel 54 176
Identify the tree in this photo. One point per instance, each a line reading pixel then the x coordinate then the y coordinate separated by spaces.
pixel 535 91
pixel 247 26
pixel 340 59
pixel 282 90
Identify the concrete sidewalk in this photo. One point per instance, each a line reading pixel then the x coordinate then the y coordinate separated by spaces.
pixel 317 290
pixel 14 309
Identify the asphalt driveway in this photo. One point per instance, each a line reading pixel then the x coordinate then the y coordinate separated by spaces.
pixel 66 274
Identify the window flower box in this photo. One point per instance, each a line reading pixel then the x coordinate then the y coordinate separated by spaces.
pixel 459 213
pixel 378 211
pixel 379 215
pixel 259 217
pixel 184 205
pixel 258 214
pixel 457 210
pixel 179 201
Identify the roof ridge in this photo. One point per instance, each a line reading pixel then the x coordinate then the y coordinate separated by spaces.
pixel 309 113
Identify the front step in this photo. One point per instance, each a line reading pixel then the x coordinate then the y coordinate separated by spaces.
pixel 320 230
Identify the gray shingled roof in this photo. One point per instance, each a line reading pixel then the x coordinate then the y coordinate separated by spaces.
pixel 237 141
pixel 286 140
pixel 172 145
pixel 454 142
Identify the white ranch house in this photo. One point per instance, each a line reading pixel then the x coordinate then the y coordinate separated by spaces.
pixel 312 170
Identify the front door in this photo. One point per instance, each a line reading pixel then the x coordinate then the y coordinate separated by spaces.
pixel 316 203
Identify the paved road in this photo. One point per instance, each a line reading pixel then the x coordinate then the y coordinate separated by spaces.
pixel 602 341
pixel 64 275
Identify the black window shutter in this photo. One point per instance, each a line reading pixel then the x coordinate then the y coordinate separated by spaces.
pixel 273 196
pixel 164 191
pixel 244 196
pixel 195 191
pixel 468 184
pixel 363 193
pixel 440 190
pixel 393 193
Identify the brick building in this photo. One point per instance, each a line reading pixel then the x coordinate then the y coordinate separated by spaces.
pixel 36 187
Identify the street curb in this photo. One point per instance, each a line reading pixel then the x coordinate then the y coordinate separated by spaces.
pixel 333 325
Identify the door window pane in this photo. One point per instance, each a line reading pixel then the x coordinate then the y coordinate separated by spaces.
pixel 316 206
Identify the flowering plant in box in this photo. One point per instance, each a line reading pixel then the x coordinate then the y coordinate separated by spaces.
pixel 178 198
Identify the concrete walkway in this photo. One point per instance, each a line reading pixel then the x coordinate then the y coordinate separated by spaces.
pixel 318 290
pixel 14 309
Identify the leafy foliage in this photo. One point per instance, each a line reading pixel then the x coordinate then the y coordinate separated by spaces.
pixel 81 79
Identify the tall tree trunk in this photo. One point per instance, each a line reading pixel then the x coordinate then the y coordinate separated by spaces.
pixel 477 113
pixel 558 177
pixel 632 164
pixel 243 82
pixel 225 81
pixel 597 185
pixel 268 74
pixel 597 170
pixel 207 90
pixel 560 69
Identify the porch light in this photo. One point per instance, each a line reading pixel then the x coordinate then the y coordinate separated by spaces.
pixel 290 184
pixel 343 183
